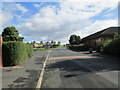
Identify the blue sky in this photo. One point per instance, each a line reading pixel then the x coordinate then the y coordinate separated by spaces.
pixel 48 21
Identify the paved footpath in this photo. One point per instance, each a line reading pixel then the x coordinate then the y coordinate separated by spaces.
pixel 26 75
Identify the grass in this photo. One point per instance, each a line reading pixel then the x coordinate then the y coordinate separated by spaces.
pixel 39 49
pixel 40 45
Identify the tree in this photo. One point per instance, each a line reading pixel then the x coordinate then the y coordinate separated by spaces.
pixel 47 43
pixel 34 42
pixel 52 42
pixel 59 42
pixel 41 42
pixel 11 34
pixel 74 39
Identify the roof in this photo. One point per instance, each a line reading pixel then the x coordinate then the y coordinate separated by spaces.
pixel 111 30
pixel 107 31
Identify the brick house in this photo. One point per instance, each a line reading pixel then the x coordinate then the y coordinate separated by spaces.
pixel 100 36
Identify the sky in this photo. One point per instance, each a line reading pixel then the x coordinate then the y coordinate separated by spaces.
pixel 47 21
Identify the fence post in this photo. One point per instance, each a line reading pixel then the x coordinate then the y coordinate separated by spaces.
pixel 1 65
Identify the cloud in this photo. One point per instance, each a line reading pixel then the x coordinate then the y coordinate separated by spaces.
pixel 21 8
pixel 38 5
pixel 97 26
pixel 9 12
pixel 58 23
pixel 6 17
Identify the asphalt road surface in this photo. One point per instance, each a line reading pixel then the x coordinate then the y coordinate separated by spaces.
pixel 26 75
pixel 70 69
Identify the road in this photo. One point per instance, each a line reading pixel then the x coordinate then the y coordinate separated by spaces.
pixel 64 69
pixel 70 69
pixel 25 75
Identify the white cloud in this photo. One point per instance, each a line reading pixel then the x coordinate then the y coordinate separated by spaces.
pixel 21 8
pixel 52 23
pixel 97 26
pixel 8 12
pixel 6 17
pixel 38 5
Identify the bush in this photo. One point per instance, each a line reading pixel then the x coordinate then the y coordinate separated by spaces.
pixel 15 52
pixel 102 44
pixel 110 47
pixel 55 45
pixel 80 47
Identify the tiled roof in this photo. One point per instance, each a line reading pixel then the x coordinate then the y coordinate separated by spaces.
pixel 107 31
pixel 111 30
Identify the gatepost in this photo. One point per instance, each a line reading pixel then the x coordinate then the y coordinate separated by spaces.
pixel 1 65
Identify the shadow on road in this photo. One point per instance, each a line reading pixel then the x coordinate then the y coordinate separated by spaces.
pixel 84 66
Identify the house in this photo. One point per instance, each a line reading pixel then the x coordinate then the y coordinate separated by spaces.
pixel 100 36
pixel 35 45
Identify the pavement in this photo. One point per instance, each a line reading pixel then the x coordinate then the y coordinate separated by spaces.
pixel 70 69
pixel 64 69
pixel 25 75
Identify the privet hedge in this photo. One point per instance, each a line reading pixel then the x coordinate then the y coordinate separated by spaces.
pixel 15 52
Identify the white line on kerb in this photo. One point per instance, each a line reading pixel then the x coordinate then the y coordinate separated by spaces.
pixel 42 72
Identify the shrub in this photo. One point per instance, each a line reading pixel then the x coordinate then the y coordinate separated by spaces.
pixel 55 45
pixel 15 52
pixel 110 47
pixel 80 47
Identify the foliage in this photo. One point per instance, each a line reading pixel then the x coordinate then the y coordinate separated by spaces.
pixel 15 52
pixel 102 44
pixel 74 39
pixel 40 45
pixel 11 34
pixel 39 49
pixel 59 42
pixel 55 45
pixel 110 47
pixel 80 47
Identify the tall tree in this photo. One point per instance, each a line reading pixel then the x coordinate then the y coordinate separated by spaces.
pixel 59 42
pixel 52 42
pixel 11 34
pixel 74 39
pixel 41 42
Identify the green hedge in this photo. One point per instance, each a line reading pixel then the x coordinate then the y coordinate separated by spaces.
pixel 14 53
pixel 80 47
pixel 110 46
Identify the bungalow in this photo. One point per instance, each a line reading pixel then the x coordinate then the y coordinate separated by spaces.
pixel 100 36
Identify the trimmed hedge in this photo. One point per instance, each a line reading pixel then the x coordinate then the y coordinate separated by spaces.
pixel 80 47
pixel 14 52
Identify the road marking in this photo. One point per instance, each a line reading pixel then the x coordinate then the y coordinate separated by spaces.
pixel 42 72
pixel 53 58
